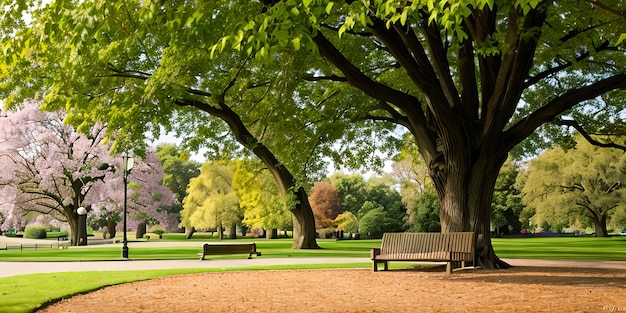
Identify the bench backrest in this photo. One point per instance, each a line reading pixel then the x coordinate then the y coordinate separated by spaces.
pixel 229 248
pixel 407 243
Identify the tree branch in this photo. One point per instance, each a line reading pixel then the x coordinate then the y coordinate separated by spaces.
pixel 607 8
pixel 550 111
pixel 585 134
pixel 605 46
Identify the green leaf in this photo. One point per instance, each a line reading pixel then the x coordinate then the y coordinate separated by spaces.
pixel 296 43
pixel 329 7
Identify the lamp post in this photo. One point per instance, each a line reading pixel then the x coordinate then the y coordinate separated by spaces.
pixel 82 226
pixel 128 165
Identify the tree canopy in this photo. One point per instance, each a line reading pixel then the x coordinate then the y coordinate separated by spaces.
pixel 584 183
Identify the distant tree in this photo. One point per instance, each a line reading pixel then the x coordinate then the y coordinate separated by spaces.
pixel 179 169
pixel 350 189
pixel 424 216
pixel 325 204
pixel 261 201
pixel 582 182
pixel 375 221
pixel 347 222
pixel 507 201
pixel 212 202
pixel 359 197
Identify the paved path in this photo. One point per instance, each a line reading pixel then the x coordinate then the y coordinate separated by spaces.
pixel 21 268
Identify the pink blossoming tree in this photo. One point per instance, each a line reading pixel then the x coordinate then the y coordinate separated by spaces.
pixel 50 168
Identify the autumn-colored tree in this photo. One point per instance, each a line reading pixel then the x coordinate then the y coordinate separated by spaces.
pixel 347 222
pixel 325 204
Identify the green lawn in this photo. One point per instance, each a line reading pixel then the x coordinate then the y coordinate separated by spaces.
pixel 562 248
pixel 25 293
pixel 553 248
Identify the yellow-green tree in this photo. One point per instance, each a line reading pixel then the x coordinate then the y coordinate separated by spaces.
pixel 261 201
pixel 580 183
pixel 212 201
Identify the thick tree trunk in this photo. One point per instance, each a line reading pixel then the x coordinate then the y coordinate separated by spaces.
pixel 303 223
pixel 232 231
pixel 74 233
pixel 189 232
pixel 111 224
pixel 600 226
pixel 272 234
pixel 465 191
pixel 141 230
pixel 220 232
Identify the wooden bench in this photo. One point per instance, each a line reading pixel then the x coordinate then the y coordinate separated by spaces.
pixel 431 247
pixel 231 248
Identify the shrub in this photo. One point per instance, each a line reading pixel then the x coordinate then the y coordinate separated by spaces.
pixel 157 229
pixel 35 232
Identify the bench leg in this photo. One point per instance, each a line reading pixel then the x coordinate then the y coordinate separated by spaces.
pixel 375 265
pixel 448 268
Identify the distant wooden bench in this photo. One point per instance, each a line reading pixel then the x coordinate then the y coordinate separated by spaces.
pixel 230 248
pixel 431 247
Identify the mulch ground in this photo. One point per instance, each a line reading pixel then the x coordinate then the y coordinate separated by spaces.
pixel 519 289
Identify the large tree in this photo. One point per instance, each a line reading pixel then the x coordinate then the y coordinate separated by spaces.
pixel 469 80
pixel 109 61
pixel 49 168
pixel 585 183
